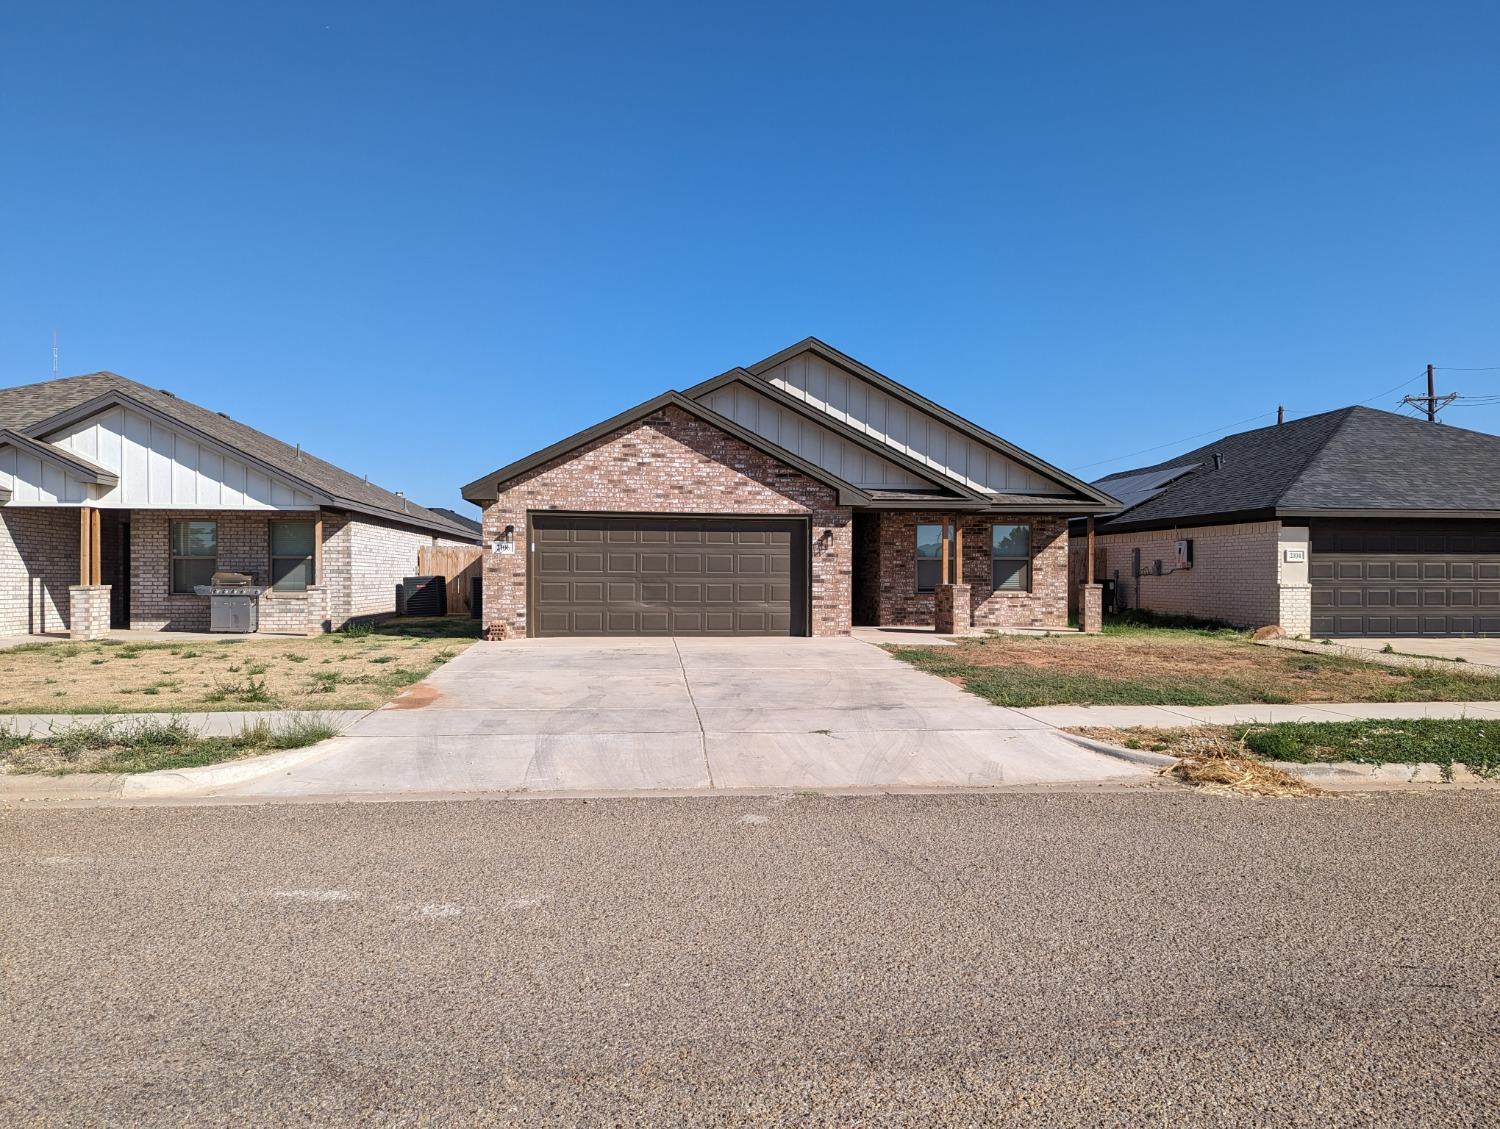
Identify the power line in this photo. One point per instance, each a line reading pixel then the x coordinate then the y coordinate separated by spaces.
pixel 1450 368
pixel 1226 427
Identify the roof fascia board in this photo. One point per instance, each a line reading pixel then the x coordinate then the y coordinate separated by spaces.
pixel 487 488
pixel 76 465
pixel 123 399
pixel 1185 521
pixel 936 411
pixel 1445 515
pixel 837 427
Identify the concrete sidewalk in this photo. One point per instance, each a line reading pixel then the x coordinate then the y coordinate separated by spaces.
pixel 1171 717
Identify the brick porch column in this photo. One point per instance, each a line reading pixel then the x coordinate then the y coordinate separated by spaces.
pixel 88 611
pixel 1091 608
pixel 952 613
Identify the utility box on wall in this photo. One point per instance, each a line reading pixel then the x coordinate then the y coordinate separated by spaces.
pixel 1185 553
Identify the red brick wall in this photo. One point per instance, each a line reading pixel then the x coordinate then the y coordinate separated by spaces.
pixel 669 462
pixel 1046 605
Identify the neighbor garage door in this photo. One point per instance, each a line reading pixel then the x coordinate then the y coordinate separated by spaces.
pixel 652 575
pixel 1394 579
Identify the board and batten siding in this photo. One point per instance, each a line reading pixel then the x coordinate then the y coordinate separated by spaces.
pixel 806 439
pixel 159 466
pixel 860 405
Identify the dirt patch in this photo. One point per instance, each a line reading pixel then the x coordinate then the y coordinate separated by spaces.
pixel 345 670
pixel 1178 667
pixel 417 697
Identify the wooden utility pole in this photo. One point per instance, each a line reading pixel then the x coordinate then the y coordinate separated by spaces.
pixel 1431 403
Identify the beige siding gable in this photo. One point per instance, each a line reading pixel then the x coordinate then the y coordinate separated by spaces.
pixel 159 466
pixel 887 419
pixel 808 440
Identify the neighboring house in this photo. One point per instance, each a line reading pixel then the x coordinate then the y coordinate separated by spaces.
pixel 462 520
pixel 117 499
pixel 1353 522
pixel 794 497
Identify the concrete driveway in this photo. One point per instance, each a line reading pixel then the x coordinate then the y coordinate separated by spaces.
pixel 1485 651
pixel 686 714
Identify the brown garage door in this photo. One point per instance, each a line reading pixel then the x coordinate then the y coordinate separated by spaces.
pixel 1399 580
pixel 596 575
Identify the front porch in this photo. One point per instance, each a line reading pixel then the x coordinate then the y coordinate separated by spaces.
pixel 954 573
pixel 87 572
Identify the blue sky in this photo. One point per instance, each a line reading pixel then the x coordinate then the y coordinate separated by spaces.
pixel 425 239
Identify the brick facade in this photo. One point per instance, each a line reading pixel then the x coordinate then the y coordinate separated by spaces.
pixel 670 462
pixel 38 564
pixel 888 570
pixel 364 560
pixel 1240 574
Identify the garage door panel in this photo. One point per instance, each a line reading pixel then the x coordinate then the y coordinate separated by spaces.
pixel 1438 580
pixel 701 576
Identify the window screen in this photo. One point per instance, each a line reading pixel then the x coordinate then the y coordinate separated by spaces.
pixel 195 554
pixel 929 557
pixel 292 548
pixel 1010 558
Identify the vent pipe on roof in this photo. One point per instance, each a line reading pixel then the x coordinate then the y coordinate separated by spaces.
pixel 1218 461
pixel 402 495
pixel 1280 414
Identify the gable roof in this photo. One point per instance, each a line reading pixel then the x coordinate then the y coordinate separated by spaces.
pixel 1083 491
pixel 37 410
pixel 941 490
pixel 1354 461
pixel 949 489
pixel 74 464
pixel 486 488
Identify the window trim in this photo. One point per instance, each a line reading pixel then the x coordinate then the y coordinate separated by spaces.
pixel 917 558
pixel 173 556
pixel 1029 558
pixel 271 556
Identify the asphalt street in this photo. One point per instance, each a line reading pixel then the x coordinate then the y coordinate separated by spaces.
pixel 1112 958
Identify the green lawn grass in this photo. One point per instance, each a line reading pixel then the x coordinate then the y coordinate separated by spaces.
pixel 112 746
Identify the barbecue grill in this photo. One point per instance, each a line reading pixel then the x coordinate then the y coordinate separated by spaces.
pixel 233 601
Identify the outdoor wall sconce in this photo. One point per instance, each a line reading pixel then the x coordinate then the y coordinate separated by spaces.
pixel 505 544
pixel 825 540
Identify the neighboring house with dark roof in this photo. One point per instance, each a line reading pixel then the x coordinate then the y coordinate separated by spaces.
pixel 469 523
pixel 1352 522
pixel 117 500
pixel 797 496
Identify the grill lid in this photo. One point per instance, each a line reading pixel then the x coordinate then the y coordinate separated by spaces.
pixel 232 579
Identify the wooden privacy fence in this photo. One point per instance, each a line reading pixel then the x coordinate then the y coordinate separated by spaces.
pixel 458 565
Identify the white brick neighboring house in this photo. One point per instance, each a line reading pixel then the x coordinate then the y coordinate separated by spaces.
pixel 116 499
pixel 1352 522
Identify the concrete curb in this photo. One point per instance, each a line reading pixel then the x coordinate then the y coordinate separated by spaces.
pixel 174 782
pixel 1119 752
pixel 1425 772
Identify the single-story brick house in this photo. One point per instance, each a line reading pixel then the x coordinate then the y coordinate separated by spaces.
pixel 116 500
pixel 1353 522
pixel 797 496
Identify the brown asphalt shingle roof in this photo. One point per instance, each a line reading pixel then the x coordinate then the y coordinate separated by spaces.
pixel 25 407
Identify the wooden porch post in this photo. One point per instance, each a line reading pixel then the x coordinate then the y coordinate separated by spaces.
pixel 96 573
pixel 945 551
pixel 85 528
pixel 958 551
pixel 1090 572
pixel 318 549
